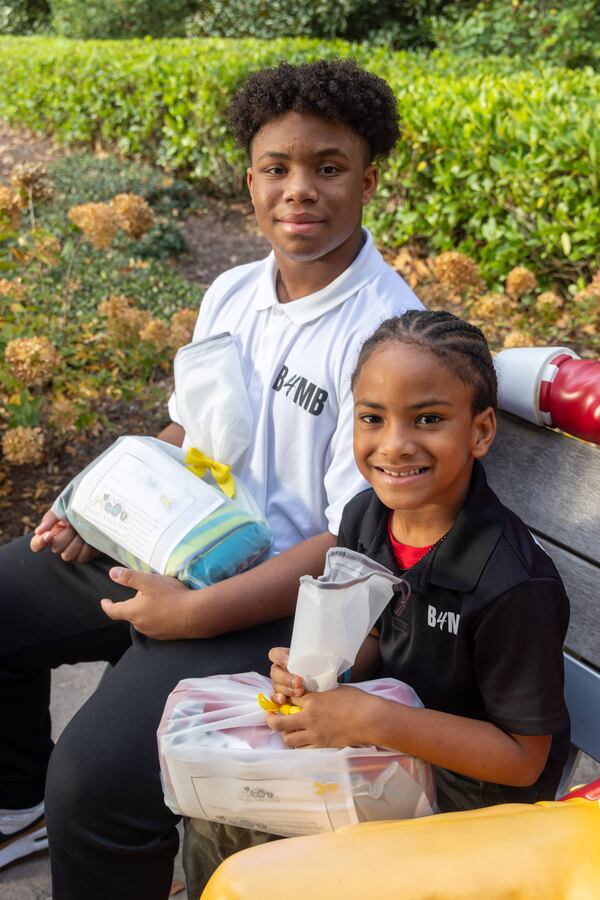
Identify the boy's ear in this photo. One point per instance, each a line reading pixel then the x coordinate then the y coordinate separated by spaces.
pixel 249 178
pixel 370 181
pixel 484 432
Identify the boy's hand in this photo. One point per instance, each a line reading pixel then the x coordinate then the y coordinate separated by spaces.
pixel 159 609
pixel 61 537
pixel 286 686
pixel 328 719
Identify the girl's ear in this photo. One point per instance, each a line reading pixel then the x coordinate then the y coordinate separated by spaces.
pixel 484 432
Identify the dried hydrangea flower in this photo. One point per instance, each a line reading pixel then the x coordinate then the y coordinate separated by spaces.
pixel 32 360
pixel 590 290
pixel 31 180
pixel 183 323
pixel 133 214
pixel 114 305
pixel 12 288
pixel 63 415
pixel 548 302
pixel 10 207
pixel 23 446
pixel 457 272
pixel 518 339
pixel 158 333
pixel 490 306
pixel 124 319
pixel 520 281
pixel 97 221
pixel 435 296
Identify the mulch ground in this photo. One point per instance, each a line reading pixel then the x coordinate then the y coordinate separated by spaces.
pixel 223 235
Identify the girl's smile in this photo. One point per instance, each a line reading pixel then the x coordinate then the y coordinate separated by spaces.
pixel 415 437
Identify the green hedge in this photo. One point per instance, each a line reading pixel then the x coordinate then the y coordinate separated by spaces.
pixel 498 163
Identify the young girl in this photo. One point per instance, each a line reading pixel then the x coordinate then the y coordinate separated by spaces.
pixel 478 622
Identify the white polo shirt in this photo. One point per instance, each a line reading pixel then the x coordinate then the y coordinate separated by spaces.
pixel 297 358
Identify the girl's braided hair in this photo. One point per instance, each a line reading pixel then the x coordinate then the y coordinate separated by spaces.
pixel 460 345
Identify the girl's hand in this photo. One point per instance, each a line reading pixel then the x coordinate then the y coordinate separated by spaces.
pixel 286 686
pixel 328 719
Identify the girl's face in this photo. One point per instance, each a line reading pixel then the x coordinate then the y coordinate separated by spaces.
pixel 415 436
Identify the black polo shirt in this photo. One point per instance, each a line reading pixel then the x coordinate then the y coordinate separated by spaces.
pixel 478 626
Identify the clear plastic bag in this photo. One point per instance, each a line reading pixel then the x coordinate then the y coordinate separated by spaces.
pixel 213 406
pixel 140 505
pixel 221 762
pixel 334 614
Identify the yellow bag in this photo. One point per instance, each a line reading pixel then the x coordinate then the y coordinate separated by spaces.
pixel 546 851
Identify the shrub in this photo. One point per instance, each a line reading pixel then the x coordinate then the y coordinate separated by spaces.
pixel 395 23
pixel 24 16
pixel 563 33
pixel 496 162
pixel 120 18
pixel 64 361
pixel 131 266
pixel 84 176
pixel 269 18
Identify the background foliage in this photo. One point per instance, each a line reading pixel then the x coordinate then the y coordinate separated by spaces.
pixel 24 16
pixel 565 33
pixel 120 18
pixel 497 162
pixel 84 326
pixel 399 23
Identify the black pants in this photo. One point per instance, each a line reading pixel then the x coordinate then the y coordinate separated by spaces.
pixel 110 831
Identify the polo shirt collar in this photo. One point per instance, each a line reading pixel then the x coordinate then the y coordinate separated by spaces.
pixel 306 309
pixel 458 561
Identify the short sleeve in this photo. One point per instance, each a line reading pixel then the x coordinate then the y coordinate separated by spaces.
pixel 518 657
pixel 342 479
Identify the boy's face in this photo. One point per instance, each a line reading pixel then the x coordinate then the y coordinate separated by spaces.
pixel 309 181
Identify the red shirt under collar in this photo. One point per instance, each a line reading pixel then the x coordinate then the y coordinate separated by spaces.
pixel 405 555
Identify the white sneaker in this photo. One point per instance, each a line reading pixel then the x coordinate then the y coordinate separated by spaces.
pixel 22 833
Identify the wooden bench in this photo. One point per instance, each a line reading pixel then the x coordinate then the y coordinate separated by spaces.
pixel 553 483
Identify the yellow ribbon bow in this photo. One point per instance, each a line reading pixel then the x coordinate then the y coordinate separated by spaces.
pixel 287 709
pixel 326 788
pixel 198 463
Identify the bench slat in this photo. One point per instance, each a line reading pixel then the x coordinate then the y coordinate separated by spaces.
pixel 552 482
pixel 582 581
pixel 582 688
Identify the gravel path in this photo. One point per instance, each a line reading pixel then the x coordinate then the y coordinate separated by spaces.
pixel 17 145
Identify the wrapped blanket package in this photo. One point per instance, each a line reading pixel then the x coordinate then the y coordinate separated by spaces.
pixel 139 504
pixel 221 762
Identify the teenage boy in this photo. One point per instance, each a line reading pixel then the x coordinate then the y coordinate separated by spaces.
pixel 312 133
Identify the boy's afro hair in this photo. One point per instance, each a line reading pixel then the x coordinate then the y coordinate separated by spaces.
pixel 337 90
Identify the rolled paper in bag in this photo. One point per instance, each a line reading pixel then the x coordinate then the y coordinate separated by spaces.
pixel 334 615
